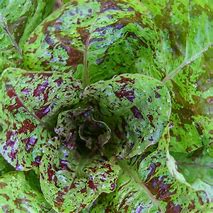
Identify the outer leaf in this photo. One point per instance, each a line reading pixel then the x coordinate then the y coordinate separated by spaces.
pixel 184 129
pixel 28 103
pixel 206 124
pixel 16 195
pixel 17 20
pixel 98 38
pixel 170 186
pixel 129 196
pixel 189 166
pixel 135 107
pixel 190 133
pixel 70 186
pixel 158 188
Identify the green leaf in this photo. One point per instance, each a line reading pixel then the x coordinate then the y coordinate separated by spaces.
pixel 190 133
pixel 158 187
pixel 97 39
pixel 190 164
pixel 185 134
pixel 29 103
pixel 136 108
pixel 4 166
pixel 206 125
pixel 16 195
pixel 17 20
pixel 71 183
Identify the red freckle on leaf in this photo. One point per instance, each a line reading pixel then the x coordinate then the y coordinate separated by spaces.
pixel 5 196
pixel 72 186
pixel 209 100
pixel 44 74
pixel 113 185
pixel 59 81
pixel 11 92
pixel 84 190
pixel 19 201
pixel 108 166
pixel 40 89
pixel 123 203
pixel 108 5
pixel 93 169
pixel 66 189
pixel 27 126
pixel 75 56
pixel 32 39
pixel 46 95
pixel 13 154
pixel 172 208
pixel 25 91
pixel 125 80
pixel 157 95
pixel 83 206
pixel 49 41
pixel 128 94
pixel 119 133
pixel 152 169
pixel 2 185
pixel 126 208
pixel 84 34
pixel 64 165
pixel 92 185
pixel 103 177
pixel 37 161
pixel 9 141
pixel 50 173
pixel 59 199
pixel 43 111
pixel 150 117
pixel 15 106
pixel 30 143
pixel 191 205
pixel 199 198
pixel 136 112
pixel 159 188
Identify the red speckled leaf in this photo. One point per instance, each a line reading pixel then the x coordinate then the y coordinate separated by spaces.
pixel 105 37
pixel 16 195
pixel 156 187
pixel 28 102
pixel 71 182
pixel 136 108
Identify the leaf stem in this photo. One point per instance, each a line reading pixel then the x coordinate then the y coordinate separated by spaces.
pixel 185 63
pixel 133 174
pixel 4 26
pixel 86 80
pixel 194 164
